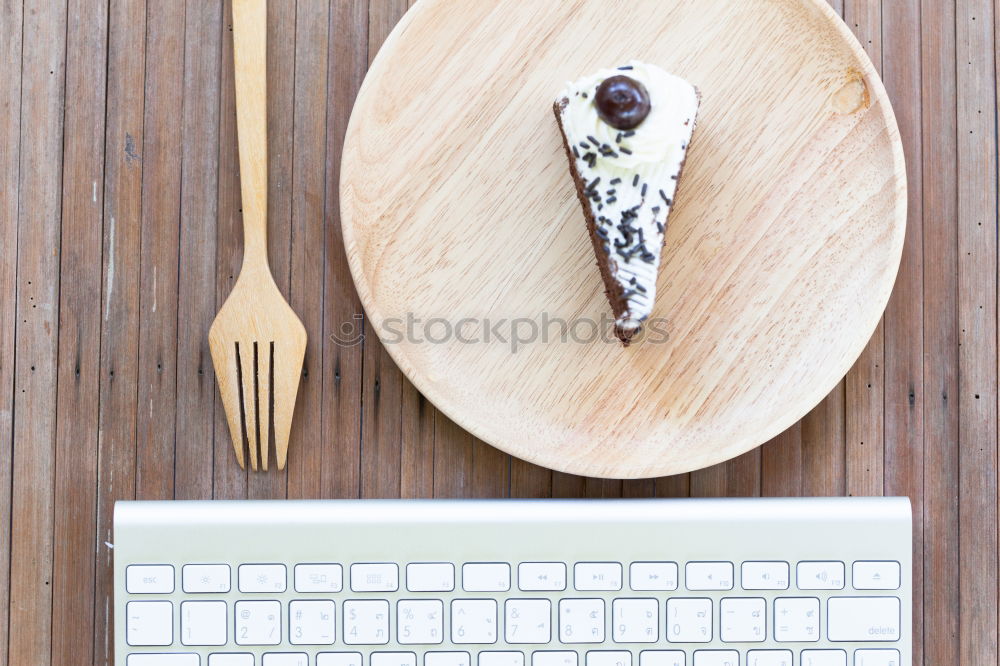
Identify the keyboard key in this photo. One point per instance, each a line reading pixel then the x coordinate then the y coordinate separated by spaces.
pixel 393 659
pixel 649 576
pixel 420 621
pixel 262 578
pixel 689 620
pixel 796 619
pixel 339 659
pixel 588 576
pixel 554 658
pixel 528 620
pixel 764 575
pixel 204 622
pixel 445 659
pixel 258 622
pixel 486 577
pixel 149 579
pixel 709 575
pixel 661 658
pixel 541 576
pixel 716 658
pixel 823 658
pixel 635 620
pixel 581 620
pixel 376 577
pixel 326 578
pixel 230 659
pixel 876 658
pixel 863 619
pixel 770 658
pixel 609 658
pixel 206 578
pixel 285 659
pixel 876 575
pixel 501 658
pixel 820 575
pixel 430 577
pixel 149 622
pixel 473 621
pixel 366 622
pixel 312 622
pixel 163 660
pixel 742 620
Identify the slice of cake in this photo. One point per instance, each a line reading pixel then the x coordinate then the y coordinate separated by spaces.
pixel 626 133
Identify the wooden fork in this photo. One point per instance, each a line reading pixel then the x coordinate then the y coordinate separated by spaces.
pixel 257 341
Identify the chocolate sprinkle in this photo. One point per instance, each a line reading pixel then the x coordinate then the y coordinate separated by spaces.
pixel 593 140
pixel 629 133
pixel 625 68
pixel 612 200
pixel 626 151
pixel 659 226
pixel 635 180
pixel 644 189
pixel 576 153
pixel 615 181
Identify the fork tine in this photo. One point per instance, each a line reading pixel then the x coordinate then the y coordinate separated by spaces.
pixel 227 376
pixel 287 369
pixel 249 395
pixel 265 391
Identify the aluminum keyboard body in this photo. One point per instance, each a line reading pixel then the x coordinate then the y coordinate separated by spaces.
pixel 713 582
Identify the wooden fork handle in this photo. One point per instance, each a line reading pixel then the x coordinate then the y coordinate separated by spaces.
pixel 250 61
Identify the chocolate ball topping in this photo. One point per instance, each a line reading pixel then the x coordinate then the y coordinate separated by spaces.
pixel 622 102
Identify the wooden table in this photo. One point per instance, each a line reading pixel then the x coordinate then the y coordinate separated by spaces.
pixel 118 122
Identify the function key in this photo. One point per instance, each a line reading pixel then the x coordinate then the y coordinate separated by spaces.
pixel 319 578
pixel 765 575
pixel 262 578
pixel 876 575
pixel 486 577
pixel 205 578
pixel 647 576
pixel 149 579
pixel 541 576
pixel 709 575
pixel 430 577
pixel 375 577
pixel 597 576
pixel 820 575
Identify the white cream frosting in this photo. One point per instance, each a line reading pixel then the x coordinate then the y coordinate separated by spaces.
pixel 631 176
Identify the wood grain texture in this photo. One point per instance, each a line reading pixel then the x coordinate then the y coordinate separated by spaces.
pixel 89 121
pixel 11 25
pixel 428 241
pixel 36 342
pixel 78 375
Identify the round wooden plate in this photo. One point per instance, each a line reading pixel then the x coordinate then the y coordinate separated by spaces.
pixel 463 230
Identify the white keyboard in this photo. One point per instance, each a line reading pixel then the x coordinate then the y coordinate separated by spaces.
pixel 731 582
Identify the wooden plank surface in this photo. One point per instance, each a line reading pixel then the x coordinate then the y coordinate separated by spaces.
pixel 119 203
